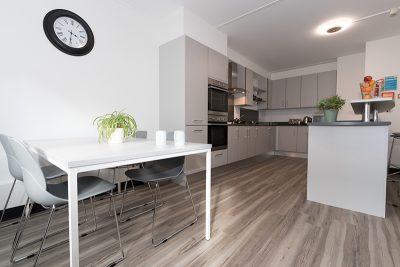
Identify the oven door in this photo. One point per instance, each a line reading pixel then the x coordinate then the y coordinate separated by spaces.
pixel 218 136
pixel 217 99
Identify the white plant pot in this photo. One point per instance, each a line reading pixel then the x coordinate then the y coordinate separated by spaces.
pixel 117 136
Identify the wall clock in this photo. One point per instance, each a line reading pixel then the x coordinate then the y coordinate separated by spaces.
pixel 68 32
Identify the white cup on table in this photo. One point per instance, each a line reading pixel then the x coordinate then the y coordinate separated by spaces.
pixel 161 138
pixel 179 138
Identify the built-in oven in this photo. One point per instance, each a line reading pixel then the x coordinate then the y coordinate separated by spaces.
pixel 217 101
pixel 218 136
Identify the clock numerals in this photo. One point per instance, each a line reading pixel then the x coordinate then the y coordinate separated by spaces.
pixel 64 39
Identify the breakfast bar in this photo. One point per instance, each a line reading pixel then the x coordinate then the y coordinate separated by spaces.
pixel 347 165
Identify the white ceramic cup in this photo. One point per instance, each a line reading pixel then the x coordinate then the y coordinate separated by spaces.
pixel 179 138
pixel 161 138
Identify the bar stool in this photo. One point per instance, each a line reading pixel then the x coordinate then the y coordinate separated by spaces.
pixel 393 170
pixel 56 196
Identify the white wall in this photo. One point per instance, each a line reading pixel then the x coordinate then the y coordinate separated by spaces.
pixel 383 59
pixel 240 59
pixel 350 72
pixel 47 94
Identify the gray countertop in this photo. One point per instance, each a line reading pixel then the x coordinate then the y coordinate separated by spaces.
pixel 279 123
pixel 351 123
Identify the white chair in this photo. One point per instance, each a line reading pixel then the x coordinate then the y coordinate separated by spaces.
pixel 56 196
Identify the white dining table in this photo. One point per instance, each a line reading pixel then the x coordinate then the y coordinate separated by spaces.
pixel 79 155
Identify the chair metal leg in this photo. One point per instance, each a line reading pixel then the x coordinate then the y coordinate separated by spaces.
pixel 109 205
pixel 118 232
pixel 93 213
pixel 21 227
pixel 44 236
pixel 157 191
pixel 6 204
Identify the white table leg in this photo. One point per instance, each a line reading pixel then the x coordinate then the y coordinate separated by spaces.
pixel 208 194
pixel 73 218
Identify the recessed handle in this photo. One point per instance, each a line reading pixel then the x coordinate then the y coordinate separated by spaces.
pixel 197 131
pixel 197 120
pixel 219 155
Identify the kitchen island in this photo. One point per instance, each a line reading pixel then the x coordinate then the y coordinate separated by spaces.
pixel 347 165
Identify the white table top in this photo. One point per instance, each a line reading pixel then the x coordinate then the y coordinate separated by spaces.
pixel 79 152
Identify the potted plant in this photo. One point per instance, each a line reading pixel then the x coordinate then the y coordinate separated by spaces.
pixel 331 106
pixel 115 127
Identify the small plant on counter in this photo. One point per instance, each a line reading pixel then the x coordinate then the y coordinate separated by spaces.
pixel 331 106
pixel 115 127
pixel 334 102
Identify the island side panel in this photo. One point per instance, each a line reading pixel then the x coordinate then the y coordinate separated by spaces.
pixel 347 167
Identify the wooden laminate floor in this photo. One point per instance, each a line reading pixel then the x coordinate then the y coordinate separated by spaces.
pixel 260 217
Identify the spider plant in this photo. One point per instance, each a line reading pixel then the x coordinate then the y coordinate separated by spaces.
pixel 107 124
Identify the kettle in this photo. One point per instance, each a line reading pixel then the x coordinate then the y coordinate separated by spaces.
pixel 307 120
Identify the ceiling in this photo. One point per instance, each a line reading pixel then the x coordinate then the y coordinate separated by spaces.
pixel 282 36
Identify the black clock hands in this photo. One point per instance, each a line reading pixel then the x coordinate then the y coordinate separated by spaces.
pixel 73 34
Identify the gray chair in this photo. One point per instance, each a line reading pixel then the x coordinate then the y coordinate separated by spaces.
pixel 393 172
pixel 56 196
pixel 49 172
pixel 171 169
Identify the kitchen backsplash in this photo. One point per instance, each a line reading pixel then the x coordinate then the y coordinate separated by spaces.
pixel 286 114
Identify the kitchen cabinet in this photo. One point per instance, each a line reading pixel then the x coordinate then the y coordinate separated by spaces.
pixel 262 139
pixel 278 94
pixel 293 89
pixel 233 143
pixel 243 143
pixel 195 134
pixel 287 138
pixel 260 90
pixel 183 84
pixel 219 158
pixel 217 66
pixel 271 139
pixel 302 139
pixel 252 141
pixel 326 84
pixel 309 90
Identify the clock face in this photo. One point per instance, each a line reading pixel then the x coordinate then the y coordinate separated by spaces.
pixel 70 32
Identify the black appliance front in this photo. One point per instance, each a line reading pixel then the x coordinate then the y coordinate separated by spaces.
pixel 217 100
pixel 218 136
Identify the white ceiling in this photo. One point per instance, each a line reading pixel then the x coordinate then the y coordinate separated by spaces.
pixel 282 36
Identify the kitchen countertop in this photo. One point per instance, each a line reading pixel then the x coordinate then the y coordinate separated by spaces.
pixel 276 123
pixel 351 123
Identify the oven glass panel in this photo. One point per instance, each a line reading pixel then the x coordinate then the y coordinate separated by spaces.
pixel 218 136
pixel 217 100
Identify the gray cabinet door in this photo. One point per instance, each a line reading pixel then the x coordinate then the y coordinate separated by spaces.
pixel 326 84
pixel 287 138
pixel 293 89
pixel 262 140
pixel 278 89
pixel 252 141
pixel 271 145
pixel 302 139
pixel 309 90
pixel 233 143
pixel 269 94
pixel 195 134
pixel 196 96
pixel 217 66
pixel 242 147
pixel 249 87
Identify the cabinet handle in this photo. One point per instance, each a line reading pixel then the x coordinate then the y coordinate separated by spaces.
pixel 197 120
pixel 197 131
pixel 219 155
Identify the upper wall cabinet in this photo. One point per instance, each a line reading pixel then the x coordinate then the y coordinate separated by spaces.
pixel 246 99
pixel 309 90
pixel 326 84
pixel 278 94
pixel 217 66
pixel 293 88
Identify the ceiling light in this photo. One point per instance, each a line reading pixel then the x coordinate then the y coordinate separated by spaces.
pixel 334 26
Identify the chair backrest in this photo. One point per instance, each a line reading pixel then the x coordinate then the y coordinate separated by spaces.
pixel 171 167
pixel 13 166
pixel 34 180
pixel 141 134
